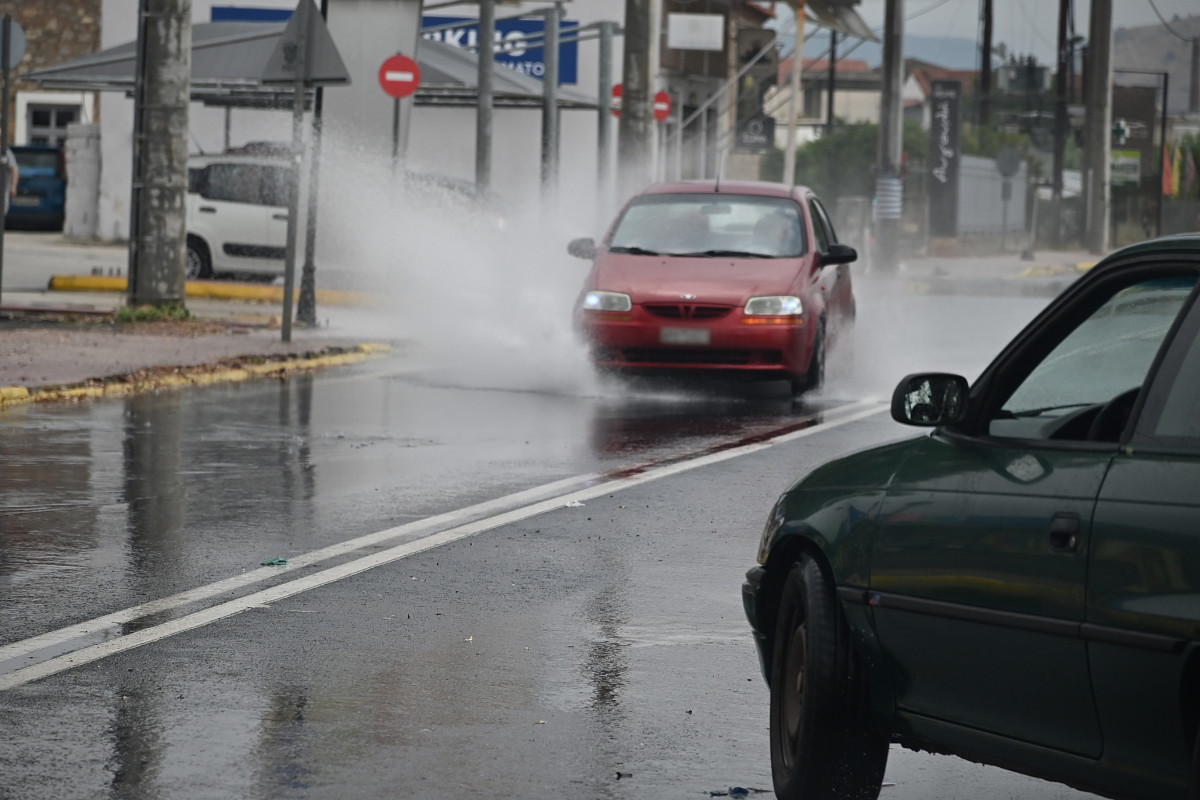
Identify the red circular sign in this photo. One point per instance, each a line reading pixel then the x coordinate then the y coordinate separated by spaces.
pixel 399 76
pixel 662 106
pixel 618 90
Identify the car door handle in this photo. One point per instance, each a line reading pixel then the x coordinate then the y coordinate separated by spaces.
pixel 280 216
pixel 207 210
pixel 1064 533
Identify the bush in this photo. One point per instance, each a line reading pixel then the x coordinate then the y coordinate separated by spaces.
pixel 174 312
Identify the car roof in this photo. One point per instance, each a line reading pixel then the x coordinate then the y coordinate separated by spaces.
pixel 204 159
pixel 763 188
pixel 1178 243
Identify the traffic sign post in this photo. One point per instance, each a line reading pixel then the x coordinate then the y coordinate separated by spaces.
pixel 399 76
pixel 12 49
pixel 662 107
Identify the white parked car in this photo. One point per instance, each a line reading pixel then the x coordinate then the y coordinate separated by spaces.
pixel 237 214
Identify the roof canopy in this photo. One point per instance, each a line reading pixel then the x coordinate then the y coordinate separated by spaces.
pixel 229 59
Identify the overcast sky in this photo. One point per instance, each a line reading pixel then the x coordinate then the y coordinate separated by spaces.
pixel 1024 26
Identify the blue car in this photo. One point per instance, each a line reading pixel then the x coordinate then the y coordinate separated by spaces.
pixel 41 196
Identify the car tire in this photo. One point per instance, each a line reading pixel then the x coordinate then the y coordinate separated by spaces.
pixel 199 263
pixel 814 379
pixel 823 746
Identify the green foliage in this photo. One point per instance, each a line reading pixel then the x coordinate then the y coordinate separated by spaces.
pixel 842 163
pixel 174 312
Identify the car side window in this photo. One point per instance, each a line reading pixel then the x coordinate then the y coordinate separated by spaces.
pixel 239 183
pixel 1085 388
pixel 819 228
pixel 824 217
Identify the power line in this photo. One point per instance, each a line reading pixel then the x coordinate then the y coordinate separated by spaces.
pixel 1166 24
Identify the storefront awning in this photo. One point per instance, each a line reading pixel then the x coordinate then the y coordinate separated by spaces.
pixel 229 58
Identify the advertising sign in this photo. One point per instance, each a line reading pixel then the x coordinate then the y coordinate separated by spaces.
pixel 529 61
pixel 945 155
pixel 1134 115
pixel 1126 167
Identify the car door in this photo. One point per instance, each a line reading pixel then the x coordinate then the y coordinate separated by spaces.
pixel 230 215
pixel 276 194
pixel 835 278
pixel 1143 597
pixel 979 572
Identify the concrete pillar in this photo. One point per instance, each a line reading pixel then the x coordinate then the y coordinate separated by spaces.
pixel 83 182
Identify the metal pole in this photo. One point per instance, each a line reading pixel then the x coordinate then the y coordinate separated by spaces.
pixel 634 134
pixel 483 111
pixel 553 16
pixel 789 154
pixel 6 38
pixel 1162 153
pixel 985 66
pixel 889 189
pixel 604 115
pixel 1194 89
pixel 678 137
pixel 306 308
pixel 289 270
pixel 832 77
pixel 1098 126
pixel 1060 120
pixel 139 128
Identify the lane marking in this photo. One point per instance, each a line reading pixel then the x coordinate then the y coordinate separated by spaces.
pixel 95 652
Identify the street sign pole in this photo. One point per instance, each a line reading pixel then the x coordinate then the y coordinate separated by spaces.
pixel 298 90
pixel 6 42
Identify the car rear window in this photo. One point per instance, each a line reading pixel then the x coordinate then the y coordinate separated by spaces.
pixel 686 224
pixel 37 159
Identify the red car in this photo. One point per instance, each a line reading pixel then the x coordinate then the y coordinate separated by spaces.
pixel 738 280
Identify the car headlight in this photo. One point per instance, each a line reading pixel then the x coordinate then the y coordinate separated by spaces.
pixel 774 306
pixel 607 301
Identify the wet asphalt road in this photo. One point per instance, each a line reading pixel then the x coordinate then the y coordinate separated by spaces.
pixel 594 650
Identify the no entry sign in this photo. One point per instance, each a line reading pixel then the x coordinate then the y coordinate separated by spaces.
pixel 399 76
pixel 662 106
pixel 618 89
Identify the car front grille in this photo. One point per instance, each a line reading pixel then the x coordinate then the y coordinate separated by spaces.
pixel 689 355
pixel 686 310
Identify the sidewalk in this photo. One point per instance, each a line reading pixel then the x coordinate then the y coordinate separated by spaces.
pixel 60 342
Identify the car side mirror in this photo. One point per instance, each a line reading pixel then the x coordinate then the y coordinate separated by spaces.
pixel 839 254
pixel 582 248
pixel 929 399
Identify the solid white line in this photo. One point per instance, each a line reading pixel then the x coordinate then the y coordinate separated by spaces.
pixel 264 597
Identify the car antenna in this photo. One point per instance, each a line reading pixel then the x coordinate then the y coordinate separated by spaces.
pixel 199 149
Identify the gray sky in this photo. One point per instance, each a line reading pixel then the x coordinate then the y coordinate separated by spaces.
pixel 1025 26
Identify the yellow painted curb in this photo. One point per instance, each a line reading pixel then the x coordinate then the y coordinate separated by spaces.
pixel 1084 266
pixel 183 377
pixel 217 290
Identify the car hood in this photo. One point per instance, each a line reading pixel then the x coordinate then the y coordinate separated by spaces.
pixel 728 281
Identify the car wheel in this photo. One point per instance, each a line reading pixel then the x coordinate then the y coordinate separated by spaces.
pixel 815 377
pixel 823 745
pixel 199 264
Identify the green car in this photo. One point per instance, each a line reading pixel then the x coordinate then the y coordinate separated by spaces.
pixel 1020 587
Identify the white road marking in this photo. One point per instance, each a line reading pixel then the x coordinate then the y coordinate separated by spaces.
pixel 107 624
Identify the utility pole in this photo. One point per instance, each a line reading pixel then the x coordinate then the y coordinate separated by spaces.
pixel 635 132
pixel 158 218
pixel 832 77
pixel 550 112
pixel 604 116
pixel 1098 126
pixel 889 188
pixel 1060 120
pixel 985 66
pixel 789 154
pixel 1194 91
pixel 483 115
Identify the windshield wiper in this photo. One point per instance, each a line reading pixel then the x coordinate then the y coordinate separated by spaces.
pixel 633 250
pixel 724 254
pixel 1034 412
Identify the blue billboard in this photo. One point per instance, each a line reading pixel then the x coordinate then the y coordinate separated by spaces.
pixel 526 61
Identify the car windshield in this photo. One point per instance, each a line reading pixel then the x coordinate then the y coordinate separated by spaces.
pixel 1109 353
pixel 711 225
pixel 37 159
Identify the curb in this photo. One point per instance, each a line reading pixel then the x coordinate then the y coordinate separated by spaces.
pixel 218 290
pixel 238 369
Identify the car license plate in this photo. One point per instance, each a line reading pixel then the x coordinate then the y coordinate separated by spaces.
pixel 22 200
pixel 691 336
